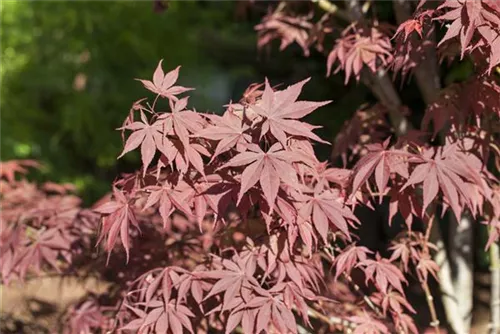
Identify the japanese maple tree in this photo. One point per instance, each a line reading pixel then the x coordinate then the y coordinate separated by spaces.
pixel 244 229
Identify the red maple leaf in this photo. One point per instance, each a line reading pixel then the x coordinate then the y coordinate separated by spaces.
pixel 392 301
pixel 268 168
pixel 410 26
pixel 169 198
pixel 368 325
pixel 323 208
pixel 118 215
pixel 264 310
pixel 287 28
pixel 447 169
pixel 406 323
pixel 426 265
pixel 383 273
pixel 46 248
pixel 280 109
pixel 160 318
pixel 85 318
pixel 382 162
pixel 183 123
pixel 357 48
pixel 8 169
pixel 349 258
pixel 473 17
pixel 163 84
pixel 236 279
pixel 229 130
pixel 150 137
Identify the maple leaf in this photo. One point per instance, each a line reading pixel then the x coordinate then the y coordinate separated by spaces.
pixel 149 137
pixel 236 279
pixel 228 130
pixel 183 123
pixel 357 48
pixel 85 318
pixel 392 301
pixel 269 309
pixel 287 28
pixel 190 282
pixel 406 322
pixel 381 162
pixel 446 169
pixel 401 251
pixel 409 26
pixel 324 207
pixel 280 109
pixel 349 258
pixel 168 278
pixel 163 84
pixel 161 318
pixel 267 168
pixel 404 202
pixel 426 265
pixel 382 272
pixel 470 17
pixel 118 215
pixel 8 169
pixel 338 176
pixel 169 199
pixel 46 248
pixel 368 325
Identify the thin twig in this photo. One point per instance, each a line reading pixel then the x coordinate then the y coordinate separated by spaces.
pixel 331 320
pixel 332 8
pixel 430 303
pixel 423 282
pixel 495 288
pixel 356 287
pixel 367 299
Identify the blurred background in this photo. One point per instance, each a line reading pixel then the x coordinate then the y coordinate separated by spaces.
pixel 68 71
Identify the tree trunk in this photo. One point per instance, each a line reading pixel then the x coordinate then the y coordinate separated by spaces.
pixel 461 257
pixel 495 288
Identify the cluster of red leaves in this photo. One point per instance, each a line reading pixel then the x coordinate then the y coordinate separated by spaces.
pixel 473 103
pixel 253 170
pixel 256 160
pixel 42 228
pixel 289 29
pixel 207 181
pixel 475 23
pixel 359 48
pixel 413 41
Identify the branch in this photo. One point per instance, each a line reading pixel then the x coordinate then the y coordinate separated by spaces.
pixel 331 320
pixel 380 83
pixel 332 8
pixel 427 72
pixel 425 286
pixel 329 257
